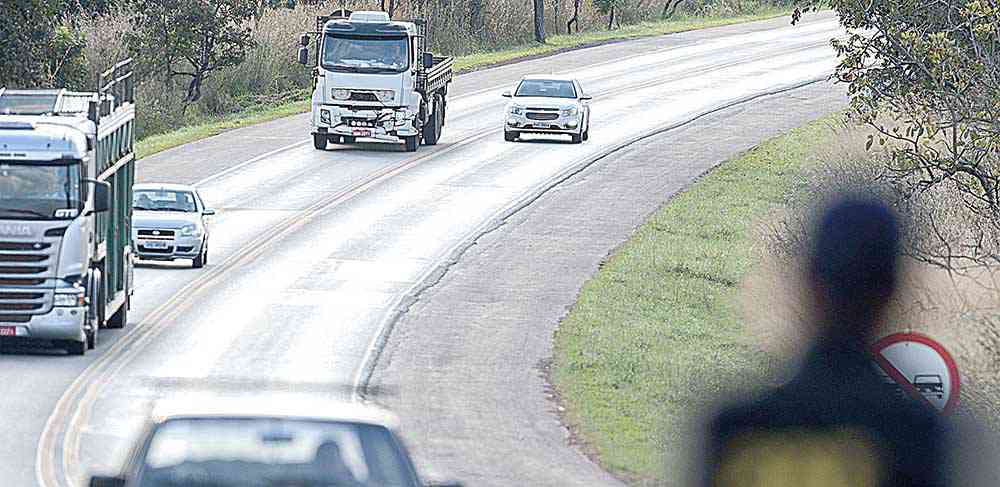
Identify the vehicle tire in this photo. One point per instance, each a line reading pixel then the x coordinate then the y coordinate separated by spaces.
pixel 411 142
pixel 92 337
pixel 75 348
pixel 120 318
pixel 319 141
pixel 202 258
pixel 577 138
pixel 432 130
pixel 348 139
pixel 586 134
pixel 509 136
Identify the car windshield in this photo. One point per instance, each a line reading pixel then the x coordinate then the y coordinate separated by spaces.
pixel 546 88
pixel 365 54
pixel 39 191
pixel 164 200
pixel 272 452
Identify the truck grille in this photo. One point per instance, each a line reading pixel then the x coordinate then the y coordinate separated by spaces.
pixel 542 116
pixel 24 246
pixel 363 96
pixel 15 318
pixel 25 267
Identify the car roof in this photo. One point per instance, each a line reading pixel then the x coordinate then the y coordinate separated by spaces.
pixel 548 77
pixel 271 406
pixel 164 187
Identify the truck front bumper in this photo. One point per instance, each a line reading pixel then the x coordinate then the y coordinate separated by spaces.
pixel 61 323
pixel 389 124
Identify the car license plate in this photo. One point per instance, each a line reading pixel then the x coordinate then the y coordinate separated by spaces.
pixel 155 245
pixel 362 132
pixel 8 331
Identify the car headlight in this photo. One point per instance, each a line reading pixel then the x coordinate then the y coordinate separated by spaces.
pixel 570 112
pixel 324 116
pixel 516 110
pixel 190 231
pixel 75 299
pixel 385 95
pixel 341 94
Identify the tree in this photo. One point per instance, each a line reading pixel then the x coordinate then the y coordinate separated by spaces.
pixel 608 7
pixel 926 77
pixel 670 8
pixel 38 51
pixel 191 39
pixel 574 22
pixel 539 16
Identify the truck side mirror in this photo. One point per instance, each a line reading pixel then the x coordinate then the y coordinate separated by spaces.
pixel 102 195
pixel 304 40
pixel 428 60
pixel 102 481
pixel 303 55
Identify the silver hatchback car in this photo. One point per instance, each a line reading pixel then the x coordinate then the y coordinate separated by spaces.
pixel 168 223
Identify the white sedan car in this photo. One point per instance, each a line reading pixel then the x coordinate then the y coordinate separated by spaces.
pixel 547 105
pixel 168 223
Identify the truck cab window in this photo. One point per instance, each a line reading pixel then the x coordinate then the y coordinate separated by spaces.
pixel 39 191
pixel 366 54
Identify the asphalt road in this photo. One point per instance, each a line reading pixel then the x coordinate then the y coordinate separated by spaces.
pixel 313 253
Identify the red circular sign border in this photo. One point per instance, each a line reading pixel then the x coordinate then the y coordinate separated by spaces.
pixel 895 338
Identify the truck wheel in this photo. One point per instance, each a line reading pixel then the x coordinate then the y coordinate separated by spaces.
pixel 319 141
pixel 432 131
pixel 412 142
pixel 120 318
pixel 509 136
pixel 75 348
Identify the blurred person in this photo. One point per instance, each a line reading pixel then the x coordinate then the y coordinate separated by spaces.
pixel 329 460
pixel 834 423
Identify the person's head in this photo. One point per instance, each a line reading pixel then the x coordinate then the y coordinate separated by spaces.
pixel 854 264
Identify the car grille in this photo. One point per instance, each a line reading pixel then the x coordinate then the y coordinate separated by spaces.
pixel 363 96
pixel 24 269
pixel 156 234
pixel 147 250
pixel 542 116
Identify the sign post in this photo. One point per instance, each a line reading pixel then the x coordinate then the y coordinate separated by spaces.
pixel 919 366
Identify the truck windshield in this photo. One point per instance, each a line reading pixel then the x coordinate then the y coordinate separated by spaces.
pixel 39 191
pixel 365 54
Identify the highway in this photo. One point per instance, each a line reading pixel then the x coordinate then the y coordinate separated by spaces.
pixel 313 254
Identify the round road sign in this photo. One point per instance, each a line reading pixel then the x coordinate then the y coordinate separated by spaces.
pixel 917 365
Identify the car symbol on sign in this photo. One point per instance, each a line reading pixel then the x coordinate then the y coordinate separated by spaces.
pixel 929 384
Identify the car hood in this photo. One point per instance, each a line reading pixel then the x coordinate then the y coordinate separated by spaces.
pixel 542 102
pixel 163 219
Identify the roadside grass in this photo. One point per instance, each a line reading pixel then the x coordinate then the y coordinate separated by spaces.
pixel 657 334
pixel 558 43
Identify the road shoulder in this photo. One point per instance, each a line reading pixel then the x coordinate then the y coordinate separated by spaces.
pixel 465 365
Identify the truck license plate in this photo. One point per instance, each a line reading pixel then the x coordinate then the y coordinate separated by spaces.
pixel 155 245
pixel 361 132
pixel 8 331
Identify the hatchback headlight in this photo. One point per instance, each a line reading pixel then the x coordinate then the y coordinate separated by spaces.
pixel 516 110
pixel 190 231
pixel 76 299
pixel 570 112
pixel 341 94
pixel 385 96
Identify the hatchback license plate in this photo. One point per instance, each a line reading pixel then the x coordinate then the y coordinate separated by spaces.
pixel 155 245
pixel 8 331
pixel 362 132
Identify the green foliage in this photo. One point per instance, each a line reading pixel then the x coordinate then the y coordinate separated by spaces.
pixel 37 51
pixel 192 39
pixel 926 76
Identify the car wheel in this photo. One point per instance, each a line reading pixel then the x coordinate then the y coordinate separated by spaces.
pixel 586 134
pixel 509 136
pixel 92 338
pixel 319 141
pixel 75 347
pixel 202 258
pixel 577 138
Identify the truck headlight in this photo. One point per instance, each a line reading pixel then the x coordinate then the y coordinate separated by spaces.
pixel 385 96
pixel 516 110
pixel 190 231
pixel 77 299
pixel 400 115
pixel 341 94
pixel 570 112
pixel 324 116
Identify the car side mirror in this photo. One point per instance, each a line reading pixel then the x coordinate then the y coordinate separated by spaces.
pixel 208 212
pixel 586 98
pixel 102 195
pixel 506 94
pixel 102 481
pixel 304 40
pixel 304 55
pixel 428 60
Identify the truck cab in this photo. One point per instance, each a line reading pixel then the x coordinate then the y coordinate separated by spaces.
pixel 65 254
pixel 374 80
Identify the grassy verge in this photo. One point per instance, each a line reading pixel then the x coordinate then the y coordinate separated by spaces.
pixel 657 334
pixel 161 142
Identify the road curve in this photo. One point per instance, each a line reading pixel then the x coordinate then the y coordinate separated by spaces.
pixel 313 252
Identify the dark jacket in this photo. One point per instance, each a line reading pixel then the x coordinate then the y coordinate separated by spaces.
pixel 834 424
